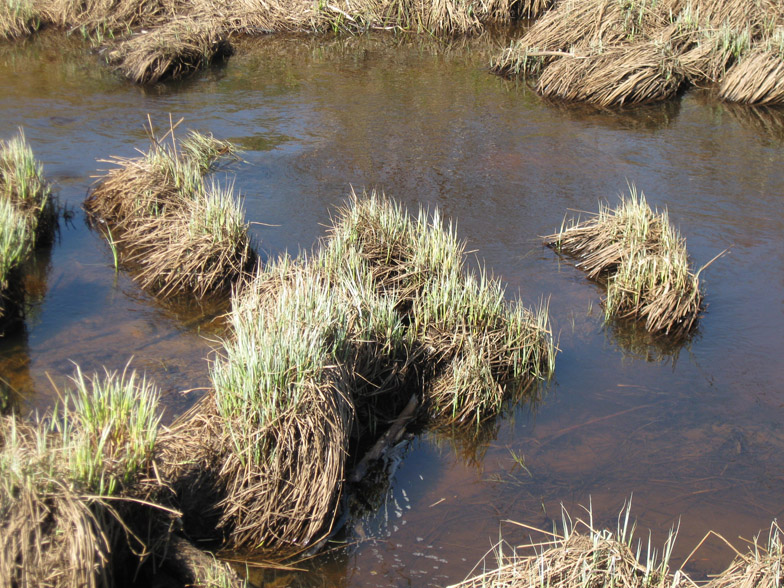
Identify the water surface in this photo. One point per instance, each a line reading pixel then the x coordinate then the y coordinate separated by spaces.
pixel 692 433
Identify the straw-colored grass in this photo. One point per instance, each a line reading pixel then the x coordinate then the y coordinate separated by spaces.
pixel 179 233
pixel 761 566
pixel 580 556
pixel 630 75
pixel 589 50
pixel 478 347
pixel 643 261
pixel 18 18
pixel 172 50
pixel 757 78
pixel 57 526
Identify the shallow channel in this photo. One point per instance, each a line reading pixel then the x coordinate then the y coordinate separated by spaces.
pixel 693 434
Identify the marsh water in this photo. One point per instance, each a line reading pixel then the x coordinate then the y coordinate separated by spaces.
pixel 691 434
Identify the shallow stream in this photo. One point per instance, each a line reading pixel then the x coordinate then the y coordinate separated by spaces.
pixel 693 434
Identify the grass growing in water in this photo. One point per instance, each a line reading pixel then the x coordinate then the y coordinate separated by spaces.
pixel 581 556
pixel 57 474
pixel 179 233
pixel 172 50
pixel 27 218
pixel 643 261
pixel 322 345
pixel 620 52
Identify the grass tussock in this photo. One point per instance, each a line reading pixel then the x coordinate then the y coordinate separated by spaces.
pixel 180 233
pixel 643 261
pixel 57 474
pixel 645 52
pixel 172 50
pixel 22 183
pixel 581 556
pixel 326 349
pixel 478 348
pixel 27 218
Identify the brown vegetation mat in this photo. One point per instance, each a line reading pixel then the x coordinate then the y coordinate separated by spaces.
pixel 588 50
pixel 172 50
pixel 632 75
pixel 179 234
pixel 643 261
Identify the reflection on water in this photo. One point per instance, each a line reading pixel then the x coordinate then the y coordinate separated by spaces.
pixel 692 433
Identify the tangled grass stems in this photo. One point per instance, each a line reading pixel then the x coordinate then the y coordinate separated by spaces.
pixel 581 556
pixel 321 346
pixel 179 233
pixel 18 18
pixel 56 473
pixel 589 50
pixel 643 261
pixel 476 345
pixel 172 50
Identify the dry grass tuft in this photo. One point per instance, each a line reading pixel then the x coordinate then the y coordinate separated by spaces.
pixel 478 348
pixel 180 234
pixel 581 557
pixel 325 349
pixel 643 260
pixel 762 566
pixel 757 78
pixel 172 50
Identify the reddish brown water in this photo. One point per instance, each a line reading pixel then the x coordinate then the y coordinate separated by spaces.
pixel 693 433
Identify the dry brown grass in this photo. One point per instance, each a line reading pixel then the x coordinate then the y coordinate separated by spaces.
pixel 642 51
pixel 178 233
pixel 640 74
pixel 757 78
pixel 584 557
pixel 172 50
pixel 325 348
pixel 74 486
pixel 643 261
pixel 579 556
pixel 18 18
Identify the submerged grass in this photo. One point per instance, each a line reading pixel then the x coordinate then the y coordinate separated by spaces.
pixel 180 234
pixel 643 261
pixel 56 473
